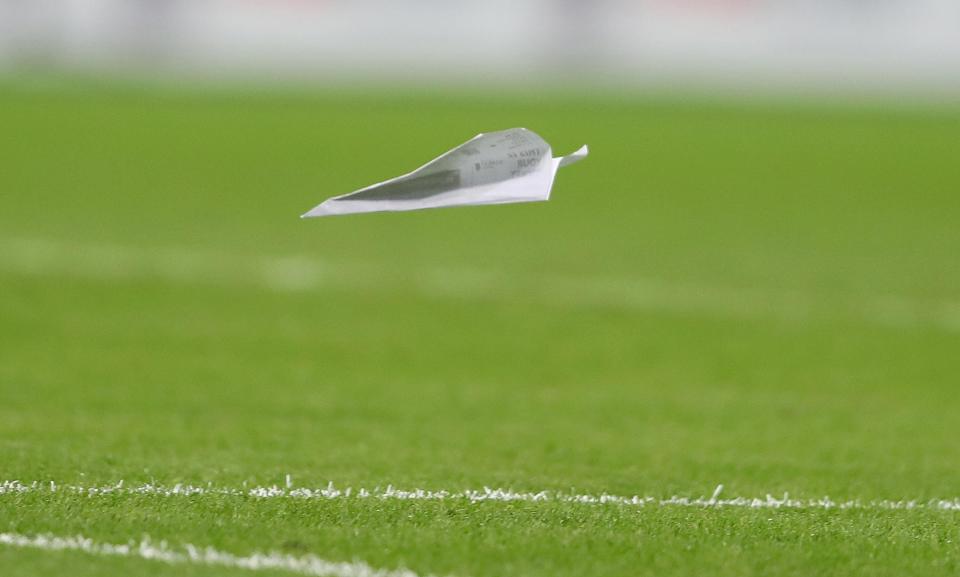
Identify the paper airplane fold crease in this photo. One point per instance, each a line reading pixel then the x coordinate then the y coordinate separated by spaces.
pixel 513 165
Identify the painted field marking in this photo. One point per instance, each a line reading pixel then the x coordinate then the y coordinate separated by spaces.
pixel 188 554
pixel 486 494
pixel 46 257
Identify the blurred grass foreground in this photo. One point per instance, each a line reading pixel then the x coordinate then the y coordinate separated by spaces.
pixel 763 296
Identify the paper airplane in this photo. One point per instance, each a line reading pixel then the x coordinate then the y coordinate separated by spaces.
pixel 513 165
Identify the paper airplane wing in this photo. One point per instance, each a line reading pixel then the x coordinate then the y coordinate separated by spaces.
pixel 513 165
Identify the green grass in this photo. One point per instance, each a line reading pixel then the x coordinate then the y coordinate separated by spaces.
pixel 763 296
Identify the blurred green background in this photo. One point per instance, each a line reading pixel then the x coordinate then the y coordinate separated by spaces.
pixel 759 294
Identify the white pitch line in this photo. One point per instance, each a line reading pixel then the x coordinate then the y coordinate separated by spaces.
pixel 44 257
pixel 188 554
pixel 390 493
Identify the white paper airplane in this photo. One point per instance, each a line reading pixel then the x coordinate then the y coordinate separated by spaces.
pixel 513 165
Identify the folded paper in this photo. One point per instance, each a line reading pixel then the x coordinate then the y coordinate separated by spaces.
pixel 515 165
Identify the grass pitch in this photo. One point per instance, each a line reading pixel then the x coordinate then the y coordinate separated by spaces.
pixel 764 297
